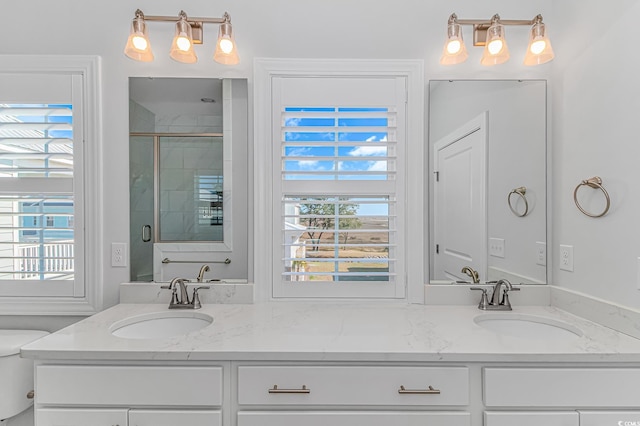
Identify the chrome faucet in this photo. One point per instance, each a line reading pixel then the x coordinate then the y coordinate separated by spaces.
pixel 182 301
pixel 496 304
pixel 472 273
pixel 203 269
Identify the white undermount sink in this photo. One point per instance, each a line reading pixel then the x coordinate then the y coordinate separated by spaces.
pixel 528 326
pixel 160 325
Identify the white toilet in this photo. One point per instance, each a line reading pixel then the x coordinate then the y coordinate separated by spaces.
pixel 16 373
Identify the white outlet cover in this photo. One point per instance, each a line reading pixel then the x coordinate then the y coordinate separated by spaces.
pixel 566 258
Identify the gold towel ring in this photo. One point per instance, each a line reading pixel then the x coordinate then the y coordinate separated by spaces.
pixel 520 192
pixel 596 183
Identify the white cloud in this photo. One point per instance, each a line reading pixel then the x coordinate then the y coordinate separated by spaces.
pixel 308 164
pixel 377 166
pixel 368 151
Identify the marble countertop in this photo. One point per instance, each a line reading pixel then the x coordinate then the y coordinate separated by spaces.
pixel 293 331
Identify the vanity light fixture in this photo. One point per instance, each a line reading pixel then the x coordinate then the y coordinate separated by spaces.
pixel 491 35
pixel 454 51
pixel 182 46
pixel 188 31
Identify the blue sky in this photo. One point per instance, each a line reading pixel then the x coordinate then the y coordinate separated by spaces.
pixel 320 143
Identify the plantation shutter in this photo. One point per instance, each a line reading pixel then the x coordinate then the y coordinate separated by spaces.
pixel 40 212
pixel 339 147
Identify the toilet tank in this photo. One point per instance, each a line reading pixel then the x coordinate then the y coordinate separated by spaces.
pixel 16 372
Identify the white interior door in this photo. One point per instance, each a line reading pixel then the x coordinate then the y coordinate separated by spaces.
pixel 460 222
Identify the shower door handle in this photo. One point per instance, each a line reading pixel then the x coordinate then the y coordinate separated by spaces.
pixel 146 233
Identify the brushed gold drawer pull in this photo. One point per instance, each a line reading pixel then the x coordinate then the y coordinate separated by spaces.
pixel 430 391
pixel 276 390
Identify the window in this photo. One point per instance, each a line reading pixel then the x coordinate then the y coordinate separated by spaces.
pixel 339 150
pixel 346 143
pixel 44 111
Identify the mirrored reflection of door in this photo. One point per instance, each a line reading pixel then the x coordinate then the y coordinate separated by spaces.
pixel 460 201
pixel 141 194
pixel 176 193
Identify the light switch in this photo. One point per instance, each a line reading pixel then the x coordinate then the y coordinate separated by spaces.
pixel 496 247
pixel 541 253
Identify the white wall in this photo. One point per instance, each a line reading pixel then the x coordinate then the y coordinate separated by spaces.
pixel 596 106
pixel 276 28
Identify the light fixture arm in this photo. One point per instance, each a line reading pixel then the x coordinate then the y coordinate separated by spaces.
pixel 488 22
pixel 191 20
pixel 196 23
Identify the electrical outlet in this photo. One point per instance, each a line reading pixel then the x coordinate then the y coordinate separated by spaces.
pixel 119 255
pixel 496 247
pixel 541 253
pixel 566 258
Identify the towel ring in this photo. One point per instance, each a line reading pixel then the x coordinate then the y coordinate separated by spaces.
pixel 596 183
pixel 519 192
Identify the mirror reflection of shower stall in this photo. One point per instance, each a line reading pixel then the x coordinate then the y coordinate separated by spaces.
pixel 176 192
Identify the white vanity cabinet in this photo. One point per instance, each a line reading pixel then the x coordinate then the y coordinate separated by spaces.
pixel 129 395
pixel 288 395
pixel 352 418
pixel 125 417
pixel 568 395
pixel 81 417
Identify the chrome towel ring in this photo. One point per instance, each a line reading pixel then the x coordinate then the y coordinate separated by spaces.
pixel 521 191
pixel 595 183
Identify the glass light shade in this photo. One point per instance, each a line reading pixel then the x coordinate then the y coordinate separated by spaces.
pixel 539 50
pixel 138 46
pixel 454 51
pixel 182 46
pixel 496 50
pixel 226 50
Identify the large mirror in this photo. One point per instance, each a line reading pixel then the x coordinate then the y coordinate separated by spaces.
pixel 488 151
pixel 181 173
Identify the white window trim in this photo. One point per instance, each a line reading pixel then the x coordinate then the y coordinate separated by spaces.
pixel 414 242
pixel 91 302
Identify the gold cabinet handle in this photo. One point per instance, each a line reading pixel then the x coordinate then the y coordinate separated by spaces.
pixel 276 390
pixel 429 391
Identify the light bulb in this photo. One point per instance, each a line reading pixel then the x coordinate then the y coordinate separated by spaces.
pixel 183 42
pixel 139 42
pixel 537 47
pixel 495 46
pixel 454 47
pixel 226 45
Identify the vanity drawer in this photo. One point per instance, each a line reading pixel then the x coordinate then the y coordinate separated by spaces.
pixel 609 418
pixel 561 387
pixel 351 418
pixel 128 386
pixel 282 385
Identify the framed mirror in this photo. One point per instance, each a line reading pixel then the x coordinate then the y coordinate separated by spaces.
pixel 487 192
pixel 180 169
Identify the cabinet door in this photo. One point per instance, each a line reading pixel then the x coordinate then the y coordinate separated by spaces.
pixel 375 418
pixel 529 418
pixel 609 418
pixel 81 417
pixel 175 417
